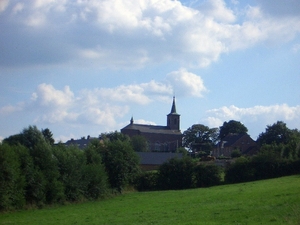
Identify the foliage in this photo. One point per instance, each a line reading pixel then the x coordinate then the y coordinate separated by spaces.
pixel 147 181
pixel 236 153
pixel 139 143
pixel 114 136
pixel 279 138
pixel 34 172
pixel 48 136
pixel 120 160
pixel 182 150
pixel 12 182
pixel 278 133
pixel 200 138
pixel 176 174
pixel 94 175
pixel 207 175
pixel 265 165
pixel 71 163
pixel 232 126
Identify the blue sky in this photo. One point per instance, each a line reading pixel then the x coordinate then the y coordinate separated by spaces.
pixel 85 67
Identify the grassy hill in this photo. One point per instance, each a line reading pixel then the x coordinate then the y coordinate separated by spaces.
pixel 275 201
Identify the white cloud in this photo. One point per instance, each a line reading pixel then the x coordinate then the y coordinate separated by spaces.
pixel 102 106
pixel 47 95
pixel 186 83
pixel 116 33
pixel 3 5
pixel 217 10
pixel 255 118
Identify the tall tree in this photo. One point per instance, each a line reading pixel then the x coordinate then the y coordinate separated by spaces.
pixel 278 133
pixel 120 160
pixel 48 136
pixel 232 126
pixel 200 137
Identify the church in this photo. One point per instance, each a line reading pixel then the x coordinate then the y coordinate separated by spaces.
pixel 160 138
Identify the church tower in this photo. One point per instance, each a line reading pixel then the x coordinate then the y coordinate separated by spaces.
pixel 173 118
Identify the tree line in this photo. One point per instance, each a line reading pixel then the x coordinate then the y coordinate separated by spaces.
pixel 34 172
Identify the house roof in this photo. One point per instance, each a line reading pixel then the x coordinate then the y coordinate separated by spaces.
pixel 157 158
pixel 230 139
pixel 151 129
pixel 81 143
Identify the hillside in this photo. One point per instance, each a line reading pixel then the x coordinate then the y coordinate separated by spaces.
pixel 275 201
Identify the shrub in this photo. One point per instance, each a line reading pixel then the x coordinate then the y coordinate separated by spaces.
pixel 147 181
pixel 176 174
pixel 207 175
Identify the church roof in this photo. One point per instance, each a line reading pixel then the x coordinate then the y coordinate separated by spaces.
pixel 151 129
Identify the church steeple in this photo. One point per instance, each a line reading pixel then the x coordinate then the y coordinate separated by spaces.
pixel 173 109
pixel 173 118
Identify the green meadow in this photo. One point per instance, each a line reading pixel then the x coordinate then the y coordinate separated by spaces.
pixel 274 201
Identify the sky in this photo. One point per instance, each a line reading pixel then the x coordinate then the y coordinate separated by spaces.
pixel 85 67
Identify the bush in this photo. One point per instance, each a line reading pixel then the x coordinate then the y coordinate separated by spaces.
pixel 207 175
pixel 147 181
pixel 176 174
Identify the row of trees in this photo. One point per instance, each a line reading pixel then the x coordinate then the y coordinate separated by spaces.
pixel 276 136
pixel 36 172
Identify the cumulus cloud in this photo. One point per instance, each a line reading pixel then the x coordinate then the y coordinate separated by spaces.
pixel 258 117
pixel 8 109
pixel 115 33
pixel 102 106
pixel 186 83
pixel 3 5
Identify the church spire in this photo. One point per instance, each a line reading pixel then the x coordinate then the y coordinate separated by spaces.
pixel 173 109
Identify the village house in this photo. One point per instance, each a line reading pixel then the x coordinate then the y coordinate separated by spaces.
pixel 242 142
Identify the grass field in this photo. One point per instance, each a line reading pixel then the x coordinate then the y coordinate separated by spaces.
pixel 275 201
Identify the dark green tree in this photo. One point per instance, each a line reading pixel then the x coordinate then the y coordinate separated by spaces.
pixel 176 174
pixel 200 138
pixel 278 133
pixel 139 143
pixel 207 175
pixel 48 136
pixel 44 185
pixel 114 136
pixel 120 161
pixel 94 176
pixel 71 163
pixel 232 126
pixel 12 182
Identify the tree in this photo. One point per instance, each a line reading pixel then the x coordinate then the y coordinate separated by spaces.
pixel 43 186
pixel 48 136
pixel 12 182
pixel 200 138
pixel 278 133
pixel 120 161
pixel 232 126
pixel 139 143
pixel 71 162
pixel 94 174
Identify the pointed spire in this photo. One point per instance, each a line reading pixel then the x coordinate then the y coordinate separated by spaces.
pixel 173 109
pixel 131 120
